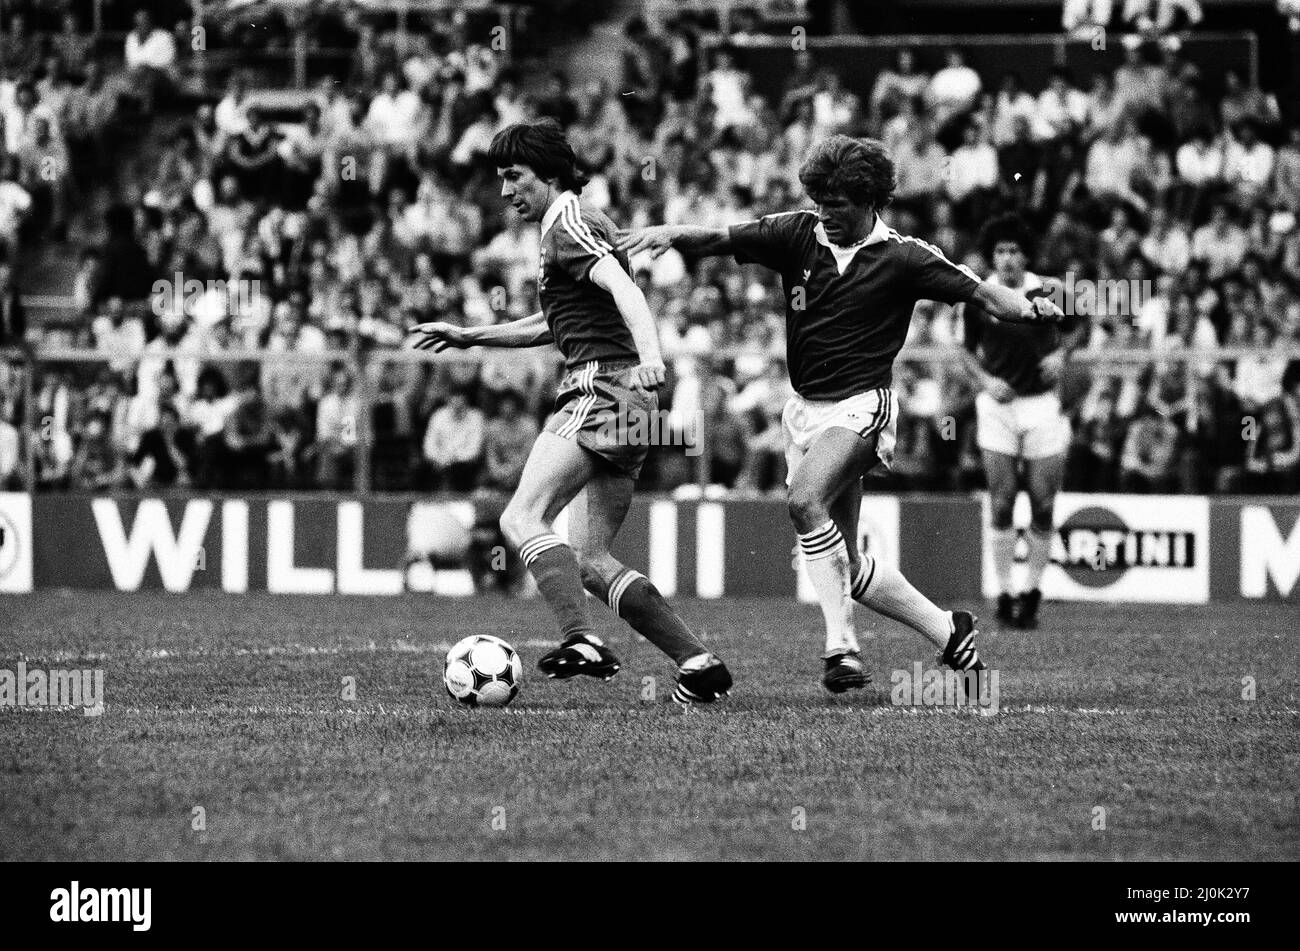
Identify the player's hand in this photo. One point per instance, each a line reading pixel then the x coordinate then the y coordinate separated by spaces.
pixel 999 389
pixel 649 376
pixel 439 336
pixel 656 240
pixel 1052 365
pixel 1044 310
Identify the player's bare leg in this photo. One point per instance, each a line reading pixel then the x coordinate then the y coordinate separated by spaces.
pixel 555 472
pixel 833 463
pixel 1043 479
pixel 1004 482
pixel 595 519
pixel 882 587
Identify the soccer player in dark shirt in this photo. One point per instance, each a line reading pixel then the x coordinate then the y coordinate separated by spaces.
pixel 850 285
pixel 1018 415
pixel 595 442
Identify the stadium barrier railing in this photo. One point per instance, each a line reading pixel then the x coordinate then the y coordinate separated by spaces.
pixel 23 369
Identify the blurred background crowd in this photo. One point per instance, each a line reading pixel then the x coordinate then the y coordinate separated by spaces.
pixel 316 223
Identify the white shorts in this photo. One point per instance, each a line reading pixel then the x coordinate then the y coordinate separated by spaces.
pixel 871 413
pixel 1027 427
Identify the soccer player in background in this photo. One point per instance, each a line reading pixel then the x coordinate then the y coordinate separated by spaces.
pixel 850 284
pixel 1021 431
pixel 596 315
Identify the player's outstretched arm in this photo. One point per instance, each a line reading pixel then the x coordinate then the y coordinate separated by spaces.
pixel 689 239
pixel 1012 306
pixel 530 331
pixel 610 276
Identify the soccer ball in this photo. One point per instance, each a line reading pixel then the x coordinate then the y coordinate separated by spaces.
pixel 482 671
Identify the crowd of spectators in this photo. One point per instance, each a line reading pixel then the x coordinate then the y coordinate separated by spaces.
pixel 325 227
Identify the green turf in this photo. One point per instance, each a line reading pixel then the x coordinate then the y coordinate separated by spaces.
pixel 1137 710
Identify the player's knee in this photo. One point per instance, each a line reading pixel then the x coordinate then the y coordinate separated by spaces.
pixel 514 524
pixel 1000 511
pixel 807 510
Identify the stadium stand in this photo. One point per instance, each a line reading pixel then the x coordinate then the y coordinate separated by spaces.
pixel 298 229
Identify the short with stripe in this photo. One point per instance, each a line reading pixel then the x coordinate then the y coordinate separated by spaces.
pixel 869 414
pixel 598 406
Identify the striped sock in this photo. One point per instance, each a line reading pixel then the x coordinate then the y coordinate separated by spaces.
pixel 826 559
pixel 632 597
pixel 555 568
pixel 885 590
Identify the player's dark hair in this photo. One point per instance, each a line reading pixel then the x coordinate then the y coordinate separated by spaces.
pixel 1006 228
pixel 858 169
pixel 542 146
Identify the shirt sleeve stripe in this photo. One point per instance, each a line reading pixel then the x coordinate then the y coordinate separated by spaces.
pixel 580 233
pixel 937 253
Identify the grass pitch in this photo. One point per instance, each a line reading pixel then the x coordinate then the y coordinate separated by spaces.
pixel 232 705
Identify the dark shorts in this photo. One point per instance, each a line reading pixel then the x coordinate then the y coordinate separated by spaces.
pixel 597 406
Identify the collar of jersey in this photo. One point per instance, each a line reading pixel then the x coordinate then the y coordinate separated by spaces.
pixel 843 254
pixel 557 207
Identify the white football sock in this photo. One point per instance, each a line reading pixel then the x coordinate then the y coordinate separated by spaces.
pixel 826 559
pixel 884 589
pixel 1004 556
pixel 1040 553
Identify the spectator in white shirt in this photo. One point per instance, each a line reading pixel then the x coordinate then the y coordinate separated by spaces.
pixel 120 334
pixel 231 116
pixel 896 87
pixel 1011 105
pixel 19 117
pixel 726 87
pixel 336 431
pixel 1110 165
pixel 150 60
pixel 1247 162
pixel 474 141
pixel 512 253
pixel 453 443
pixel 1166 244
pixel 1085 16
pixel 973 166
pixel 392 114
pixel 15 203
pixel 1199 162
pixel 1061 107
pixel 954 88
pixel 1220 243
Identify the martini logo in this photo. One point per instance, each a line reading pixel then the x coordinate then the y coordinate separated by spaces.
pixel 1095 547
pixel 8 545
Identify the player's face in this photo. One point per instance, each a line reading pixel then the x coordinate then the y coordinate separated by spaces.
pixel 524 191
pixel 1009 261
pixel 845 223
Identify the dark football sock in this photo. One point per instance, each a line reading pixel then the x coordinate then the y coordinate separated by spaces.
pixel 555 568
pixel 633 598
